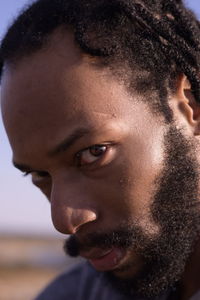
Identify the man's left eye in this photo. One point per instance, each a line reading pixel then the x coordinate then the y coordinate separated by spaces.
pixel 91 154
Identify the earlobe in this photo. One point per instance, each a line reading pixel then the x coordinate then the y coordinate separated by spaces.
pixel 187 104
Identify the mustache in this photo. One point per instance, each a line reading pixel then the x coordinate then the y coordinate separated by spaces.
pixel 123 238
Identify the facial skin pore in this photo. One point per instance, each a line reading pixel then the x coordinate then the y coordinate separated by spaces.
pixel 175 210
pixel 56 107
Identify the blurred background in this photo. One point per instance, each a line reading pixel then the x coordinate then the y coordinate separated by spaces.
pixel 30 248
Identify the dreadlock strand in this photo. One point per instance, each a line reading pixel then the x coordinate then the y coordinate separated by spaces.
pixel 191 73
pixel 183 18
pixel 165 31
pixel 157 38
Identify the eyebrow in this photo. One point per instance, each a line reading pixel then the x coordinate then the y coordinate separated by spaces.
pixel 62 147
pixel 69 141
pixel 21 167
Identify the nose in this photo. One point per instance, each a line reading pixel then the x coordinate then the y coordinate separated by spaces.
pixel 70 210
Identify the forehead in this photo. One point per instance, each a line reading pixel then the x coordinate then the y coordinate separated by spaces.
pixel 51 92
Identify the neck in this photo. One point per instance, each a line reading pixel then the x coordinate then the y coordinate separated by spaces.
pixel 190 282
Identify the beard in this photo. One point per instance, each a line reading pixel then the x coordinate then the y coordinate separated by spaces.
pixel 175 208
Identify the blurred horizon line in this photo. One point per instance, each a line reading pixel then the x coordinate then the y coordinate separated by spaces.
pixel 32 234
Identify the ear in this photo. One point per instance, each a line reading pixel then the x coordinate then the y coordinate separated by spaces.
pixel 187 107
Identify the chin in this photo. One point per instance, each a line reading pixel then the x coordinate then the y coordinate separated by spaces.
pixel 130 267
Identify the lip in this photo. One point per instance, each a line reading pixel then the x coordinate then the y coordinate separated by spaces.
pixel 105 260
pixel 95 253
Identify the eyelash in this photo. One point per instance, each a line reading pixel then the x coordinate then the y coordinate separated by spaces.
pixel 80 154
pixel 40 174
pixel 77 159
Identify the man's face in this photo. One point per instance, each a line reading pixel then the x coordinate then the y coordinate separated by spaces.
pixel 103 160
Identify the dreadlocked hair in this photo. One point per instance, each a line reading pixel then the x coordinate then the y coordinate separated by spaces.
pixel 152 41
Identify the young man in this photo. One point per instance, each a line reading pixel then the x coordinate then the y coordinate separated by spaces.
pixel 100 101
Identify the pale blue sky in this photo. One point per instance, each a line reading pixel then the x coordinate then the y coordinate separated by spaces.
pixel 23 208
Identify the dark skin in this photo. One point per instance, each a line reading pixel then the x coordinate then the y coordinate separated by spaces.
pixel 56 93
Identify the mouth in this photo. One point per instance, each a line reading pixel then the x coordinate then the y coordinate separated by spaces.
pixel 105 260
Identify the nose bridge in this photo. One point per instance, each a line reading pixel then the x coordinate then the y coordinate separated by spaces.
pixel 71 208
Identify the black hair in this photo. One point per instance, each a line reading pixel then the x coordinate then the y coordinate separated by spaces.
pixel 153 39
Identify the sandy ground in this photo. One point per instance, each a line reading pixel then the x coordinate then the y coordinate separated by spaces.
pixel 23 284
pixel 28 264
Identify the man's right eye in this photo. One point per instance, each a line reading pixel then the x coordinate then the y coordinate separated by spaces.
pixel 42 180
pixel 37 175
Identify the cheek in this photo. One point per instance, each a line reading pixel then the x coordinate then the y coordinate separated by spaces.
pixel 139 182
pixel 127 189
pixel 145 160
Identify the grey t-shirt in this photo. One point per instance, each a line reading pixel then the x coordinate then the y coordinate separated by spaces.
pixel 196 296
pixel 84 283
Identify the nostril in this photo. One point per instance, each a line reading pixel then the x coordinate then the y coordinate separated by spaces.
pixel 81 217
pixel 69 220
